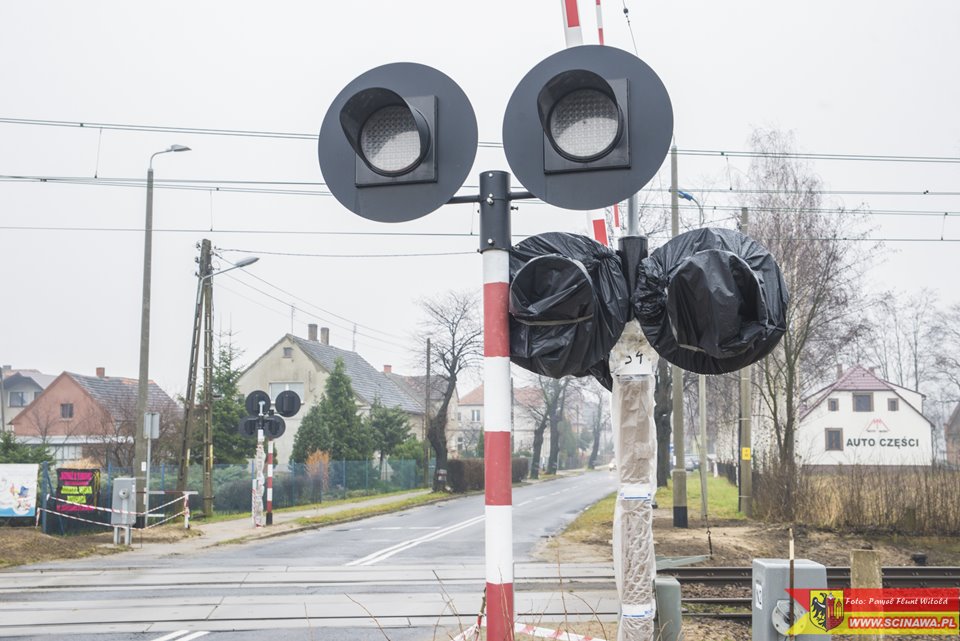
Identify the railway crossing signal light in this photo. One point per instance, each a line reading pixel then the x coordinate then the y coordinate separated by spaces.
pixel 587 127
pixel 264 417
pixel 385 137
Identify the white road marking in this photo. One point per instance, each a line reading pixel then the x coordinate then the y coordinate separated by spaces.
pixel 172 635
pixel 386 553
pixel 175 636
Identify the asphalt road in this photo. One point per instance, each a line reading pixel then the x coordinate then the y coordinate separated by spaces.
pixel 397 576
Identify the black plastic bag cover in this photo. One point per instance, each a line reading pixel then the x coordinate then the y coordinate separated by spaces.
pixel 569 303
pixel 711 301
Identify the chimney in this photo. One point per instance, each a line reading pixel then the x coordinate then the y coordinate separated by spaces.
pixel 312 332
pixel 388 369
pixel 325 335
pixel 839 370
pixel 101 372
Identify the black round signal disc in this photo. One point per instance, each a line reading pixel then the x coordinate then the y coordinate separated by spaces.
pixel 623 144
pixel 253 400
pixel 443 119
pixel 287 403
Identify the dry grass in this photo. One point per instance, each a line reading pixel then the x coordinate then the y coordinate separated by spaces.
pixel 27 545
pixel 915 501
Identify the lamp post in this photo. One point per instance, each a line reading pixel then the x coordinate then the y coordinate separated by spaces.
pixel 143 382
pixel 702 394
pixel 206 287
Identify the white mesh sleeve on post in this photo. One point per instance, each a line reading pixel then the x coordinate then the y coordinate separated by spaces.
pixel 632 362
pixel 257 498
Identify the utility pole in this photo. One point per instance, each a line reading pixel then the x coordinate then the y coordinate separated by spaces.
pixel 426 422
pixel 679 466
pixel 189 412
pixel 208 390
pixel 746 411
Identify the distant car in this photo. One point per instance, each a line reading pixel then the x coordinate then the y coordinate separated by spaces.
pixel 612 465
pixel 692 463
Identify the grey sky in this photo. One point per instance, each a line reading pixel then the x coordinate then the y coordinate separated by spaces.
pixel 853 77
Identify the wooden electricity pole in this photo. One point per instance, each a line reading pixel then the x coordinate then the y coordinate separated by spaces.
pixel 189 412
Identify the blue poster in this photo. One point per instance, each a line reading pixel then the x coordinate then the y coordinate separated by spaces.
pixel 18 489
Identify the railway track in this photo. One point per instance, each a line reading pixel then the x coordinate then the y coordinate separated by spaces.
pixel 739 578
pixel 839 577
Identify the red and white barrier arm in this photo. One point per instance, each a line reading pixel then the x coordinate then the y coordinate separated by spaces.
pixel 571 23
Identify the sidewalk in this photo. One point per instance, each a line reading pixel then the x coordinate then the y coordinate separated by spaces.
pixel 242 529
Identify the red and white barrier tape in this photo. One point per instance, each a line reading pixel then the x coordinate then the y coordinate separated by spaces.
pixel 70 516
pixel 169 518
pixel 88 508
pixel 530 630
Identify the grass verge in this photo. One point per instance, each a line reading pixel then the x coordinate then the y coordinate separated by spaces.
pixel 722 497
pixel 362 511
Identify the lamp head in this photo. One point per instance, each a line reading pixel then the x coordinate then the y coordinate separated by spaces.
pixel 249 260
pixel 178 148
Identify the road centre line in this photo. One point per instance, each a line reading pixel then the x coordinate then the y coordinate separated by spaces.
pixel 386 553
pixel 172 635
pixel 175 636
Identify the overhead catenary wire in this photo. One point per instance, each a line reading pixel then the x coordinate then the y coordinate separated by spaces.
pixel 245 133
pixel 236 186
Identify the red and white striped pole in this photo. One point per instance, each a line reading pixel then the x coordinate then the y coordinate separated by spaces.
pixel 571 23
pixel 498 504
pixel 269 482
pixel 599 23
pixel 598 224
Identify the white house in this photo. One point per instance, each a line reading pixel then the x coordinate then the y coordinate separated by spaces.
pixel 303 365
pixel 861 419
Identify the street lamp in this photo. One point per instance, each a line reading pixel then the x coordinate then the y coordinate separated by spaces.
pixel 139 441
pixel 701 401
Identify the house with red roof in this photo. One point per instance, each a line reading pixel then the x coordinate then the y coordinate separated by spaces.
pixel 78 416
pixel 861 419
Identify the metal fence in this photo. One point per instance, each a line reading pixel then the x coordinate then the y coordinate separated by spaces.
pixel 293 485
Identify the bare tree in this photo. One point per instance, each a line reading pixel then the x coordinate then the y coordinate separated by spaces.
pixel 555 395
pixel 902 338
pixel 452 324
pixel 946 362
pixel 822 267
pixel 601 420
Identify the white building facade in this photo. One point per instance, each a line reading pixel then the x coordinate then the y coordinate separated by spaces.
pixel 864 420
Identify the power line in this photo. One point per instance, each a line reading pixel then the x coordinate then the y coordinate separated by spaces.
pixel 234 186
pixel 316 307
pixel 386 234
pixel 307 255
pixel 306 313
pixel 244 133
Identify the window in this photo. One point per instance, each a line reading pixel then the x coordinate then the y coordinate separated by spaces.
pixel 288 352
pixel 863 402
pixel 475 416
pixel 276 388
pixel 833 405
pixel 36 395
pixel 893 404
pixel 66 410
pixel 18 399
pixel 834 439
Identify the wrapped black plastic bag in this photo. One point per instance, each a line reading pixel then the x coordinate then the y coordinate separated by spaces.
pixel 569 302
pixel 711 301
